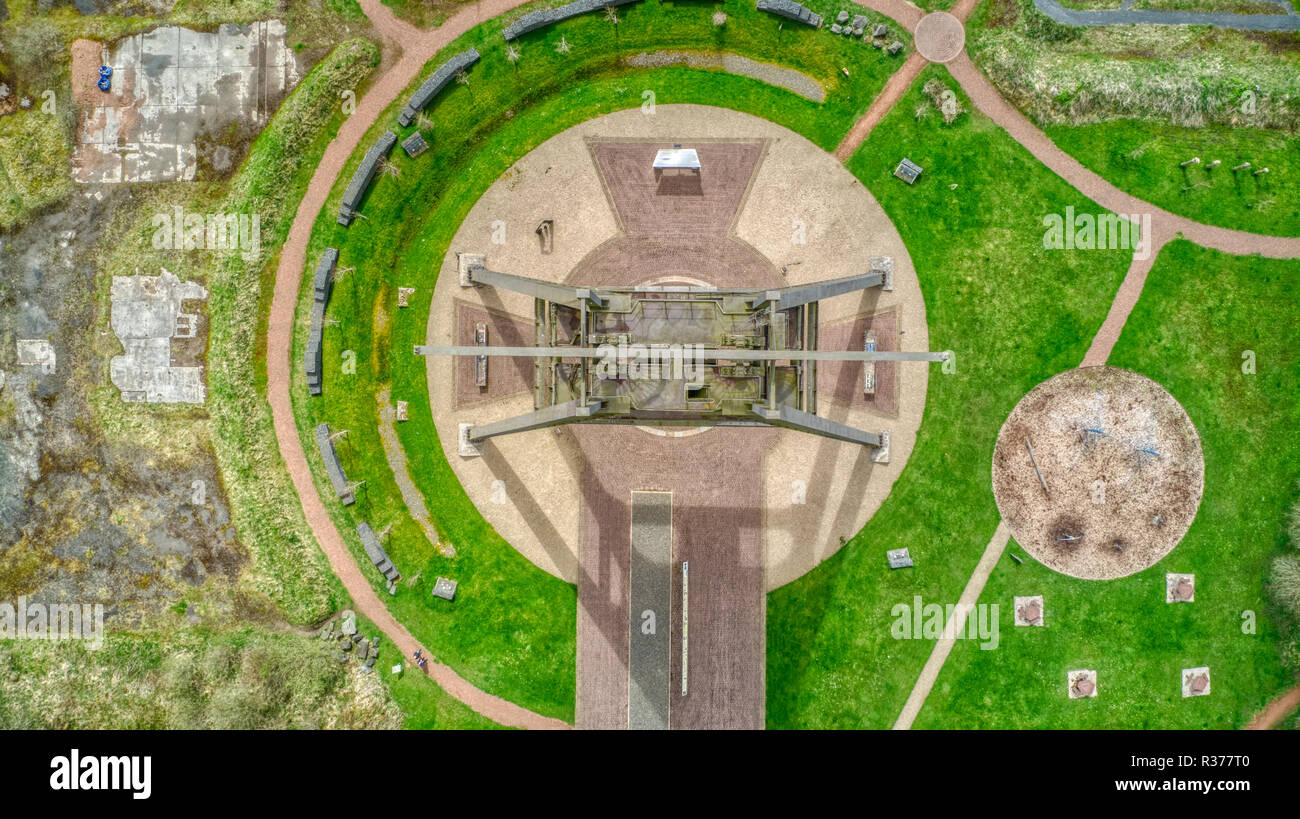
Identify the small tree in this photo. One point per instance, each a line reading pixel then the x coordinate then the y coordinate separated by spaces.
pixel 719 18
pixel 611 15
pixel 563 47
pixel 463 79
pixel 512 56
pixel 389 168
pixel 423 122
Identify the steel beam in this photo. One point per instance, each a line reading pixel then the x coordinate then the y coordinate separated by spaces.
pixel 800 294
pixel 709 353
pixel 788 417
pixel 547 291
pixel 555 416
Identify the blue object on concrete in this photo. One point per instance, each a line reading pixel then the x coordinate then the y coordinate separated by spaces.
pixel 104 84
pixel 105 71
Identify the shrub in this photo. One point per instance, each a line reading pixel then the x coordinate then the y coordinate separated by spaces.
pixel 1283 589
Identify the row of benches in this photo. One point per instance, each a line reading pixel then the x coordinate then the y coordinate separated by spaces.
pixel 545 17
pixel 322 286
pixel 333 467
pixel 365 174
pixel 379 557
pixel 369 167
pixel 791 10
pixel 443 76
pixel 433 86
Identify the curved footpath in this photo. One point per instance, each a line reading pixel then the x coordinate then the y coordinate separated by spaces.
pixel 419 46
pixel 1164 227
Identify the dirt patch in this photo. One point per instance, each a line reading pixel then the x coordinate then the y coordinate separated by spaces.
pixel 1122 466
pixel 87 57
pixel 1003 14
pixel 87 512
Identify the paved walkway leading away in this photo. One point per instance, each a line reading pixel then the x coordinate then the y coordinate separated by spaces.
pixel 1125 299
pixel 1287 20
pixel 895 87
pixel 418 47
pixel 943 646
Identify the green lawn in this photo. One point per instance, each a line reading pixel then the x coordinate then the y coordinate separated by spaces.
pixel 1015 314
pixel 511 629
pixel 422 13
pixel 181 677
pixel 425 705
pixel 1143 158
pixel 1190 339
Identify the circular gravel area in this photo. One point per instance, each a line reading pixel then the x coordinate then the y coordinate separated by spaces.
pixel 940 37
pixel 1123 467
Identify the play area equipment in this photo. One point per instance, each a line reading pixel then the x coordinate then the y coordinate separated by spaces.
pixel 105 78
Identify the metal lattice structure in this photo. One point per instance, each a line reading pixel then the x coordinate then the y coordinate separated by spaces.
pixel 677 355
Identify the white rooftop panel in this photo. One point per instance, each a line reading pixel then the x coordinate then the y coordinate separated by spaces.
pixel 677 158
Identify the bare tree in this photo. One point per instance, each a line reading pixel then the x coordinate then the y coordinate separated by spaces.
pixel 423 122
pixel 563 47
pixel 463 79
pixel 389 168
pixel 611 15
pixel 512 56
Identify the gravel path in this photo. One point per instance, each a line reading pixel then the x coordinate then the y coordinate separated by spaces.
pixel 943 646
pixel 895 87
pixel 787 78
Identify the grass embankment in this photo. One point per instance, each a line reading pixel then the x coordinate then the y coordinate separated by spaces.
pixel 424 705
pixel 1192 76
pixel 1015 314
pixel 1190 339
pixel 33 165
pixel 1143 158
pixel 188 678
pixel 423 13
pixel 511 630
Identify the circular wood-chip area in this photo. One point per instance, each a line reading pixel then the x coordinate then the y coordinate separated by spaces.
pixel 1123 470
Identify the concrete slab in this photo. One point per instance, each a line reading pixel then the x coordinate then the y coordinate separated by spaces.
pixel 172 87
pixel 147 313
pixel 650 610
pixel 1196 681
pixel 37 352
